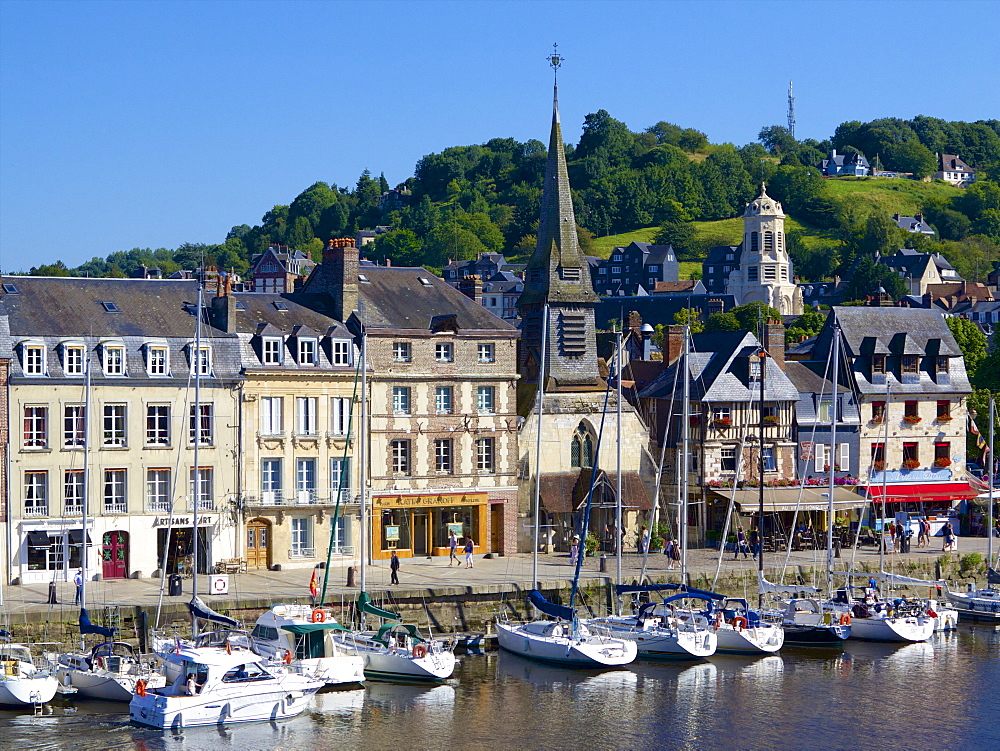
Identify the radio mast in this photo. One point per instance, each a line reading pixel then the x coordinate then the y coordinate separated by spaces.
pixel 791 110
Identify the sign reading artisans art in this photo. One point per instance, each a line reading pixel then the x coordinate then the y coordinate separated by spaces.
pixel 183 521
pixel 450 499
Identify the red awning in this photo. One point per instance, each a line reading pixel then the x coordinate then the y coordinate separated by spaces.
pixel 922 492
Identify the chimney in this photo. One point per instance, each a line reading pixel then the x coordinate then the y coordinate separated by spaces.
pixel 774 342
pixel 674 342
pixel 895 217
pixel 472 287
pixel 919 217
pixel 340 257
pixel 222 313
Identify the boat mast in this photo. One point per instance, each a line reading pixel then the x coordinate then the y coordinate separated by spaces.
pixel 197 467
pixel 362 456
pixel 992 469
pixel 538 451
pixel 86 486
pixel 833 453
pixel 684 463
pixel 885 477
pixel 618 491
pixel 762 359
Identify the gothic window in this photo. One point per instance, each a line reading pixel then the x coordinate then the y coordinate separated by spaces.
pixel 582 448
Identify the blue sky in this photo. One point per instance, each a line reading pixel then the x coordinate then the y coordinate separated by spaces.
pixel 150 124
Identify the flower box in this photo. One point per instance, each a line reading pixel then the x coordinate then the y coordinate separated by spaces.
pixel 722 423
pixel 878 419
pixel 879 466
pixel 942 461
pixel 944 418
pixel 911 464
pixel 770 420
pixel 911 419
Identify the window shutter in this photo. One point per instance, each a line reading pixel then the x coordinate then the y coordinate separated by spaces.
pixel 820 457
pixel 845 457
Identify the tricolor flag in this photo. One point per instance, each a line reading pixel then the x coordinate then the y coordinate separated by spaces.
pixel 314 585
pixel 980 441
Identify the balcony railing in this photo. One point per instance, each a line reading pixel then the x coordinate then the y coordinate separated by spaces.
pixel 116 507
pixel 73 510
pixel 206 504
pixel 302 553
pixel 36 509
pixel 298 498
pixel 158 506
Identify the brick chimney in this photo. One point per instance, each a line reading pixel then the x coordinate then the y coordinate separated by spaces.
pixel 340 260
pixel 222 313
pixel 774 342
pixel 472 287
pixel 674 342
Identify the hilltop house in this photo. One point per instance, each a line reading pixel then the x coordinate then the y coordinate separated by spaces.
pixel 955 171
pixel 845 164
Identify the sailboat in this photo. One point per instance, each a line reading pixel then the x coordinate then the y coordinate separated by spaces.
pixel 221 681
pixel 21 681
pixel 111 669
pixel 566 641
pixel 396 650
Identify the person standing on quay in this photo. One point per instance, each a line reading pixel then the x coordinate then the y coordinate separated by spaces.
pixel 394 568
pixel 452 547
pixel 469 547
pixel 78 581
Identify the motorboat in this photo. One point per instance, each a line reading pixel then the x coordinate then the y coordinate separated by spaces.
pixel 302 638
pixel 224 637
pixel 660 632
pixel 571 644
pixel 22 683
pixel 397 652
pixel 976 604
pixel 229 685
pixel 109 671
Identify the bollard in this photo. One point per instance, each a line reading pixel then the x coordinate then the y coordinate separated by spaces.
pixel 52 594
pixel 836 548
pixel 350 576
pixel 604 564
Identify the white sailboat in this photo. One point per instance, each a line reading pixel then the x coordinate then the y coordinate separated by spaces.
pixel 21 682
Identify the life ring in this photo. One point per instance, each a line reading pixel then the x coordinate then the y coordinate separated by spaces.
pixel 845 619
pixel 739 623
pixel 318 616
pixel 140 687
pixel 419 650
pixel 287 657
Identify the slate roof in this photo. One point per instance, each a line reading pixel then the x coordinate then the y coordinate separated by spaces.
pixel 813 386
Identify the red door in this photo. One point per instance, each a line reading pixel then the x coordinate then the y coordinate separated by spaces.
pixel 115 555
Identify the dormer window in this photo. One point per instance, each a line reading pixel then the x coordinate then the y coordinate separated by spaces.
pixel 34 359
pixel 941 365
pixel 909 363
pixel 201 364
pixel 878 363
pixel 271 350
pixel 73 359
pixel 307 352
pixel 341 351
pixel 114 360
pixel 157 358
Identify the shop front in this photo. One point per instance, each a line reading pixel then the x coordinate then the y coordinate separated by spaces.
pixel 175 544
pixel 420 525
pixel 53 551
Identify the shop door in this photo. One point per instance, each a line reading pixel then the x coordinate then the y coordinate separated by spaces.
pixel 496 528
pixel 114 555
pixel 258 544
pixel 421 529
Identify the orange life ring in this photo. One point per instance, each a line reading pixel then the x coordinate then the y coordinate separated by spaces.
pixel 318 616
pixel 419 650
pixel 739 622
pixel 845 619
pixel 287 657
pixel 140 687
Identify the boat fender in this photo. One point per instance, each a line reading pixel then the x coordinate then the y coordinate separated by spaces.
pixel 739 623
pixel 318 616
pixel 931 613
pixel 99 661
pixel 140 687
pixel 845 619
pixel 419 650
pixel 719 620
pixel 287 657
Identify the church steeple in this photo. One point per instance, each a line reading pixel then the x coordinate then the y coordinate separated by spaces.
pixel 558 274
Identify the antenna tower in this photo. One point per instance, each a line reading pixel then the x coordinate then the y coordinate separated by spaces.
pixel 791 110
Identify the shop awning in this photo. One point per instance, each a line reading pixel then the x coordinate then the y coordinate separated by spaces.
pixel 38 540
pixel 922 492
pixel 790 499
pixel 76 537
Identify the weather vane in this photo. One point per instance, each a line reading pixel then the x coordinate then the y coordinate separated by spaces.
pixel 555 59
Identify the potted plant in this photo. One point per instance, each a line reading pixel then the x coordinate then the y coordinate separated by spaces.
pixel 590 545
pixel 911 464
pixel 880 466
pixel 878 419
pixel 942 461
pixel 911 419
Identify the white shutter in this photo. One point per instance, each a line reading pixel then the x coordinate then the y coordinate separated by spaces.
pixel 845 458
pixel 821 450
pixel 340 412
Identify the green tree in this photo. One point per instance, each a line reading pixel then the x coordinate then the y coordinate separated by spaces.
pixel 868 276
pixel 751 315
pixel 721 322
pixel 690 317
pixel 679 234
pixel 401 246
pixel 971 341
pixel 50 269
pixel 778 139
pixel 911 156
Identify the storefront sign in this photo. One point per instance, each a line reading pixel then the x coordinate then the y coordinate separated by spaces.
pixel 452 499
pixel 183 521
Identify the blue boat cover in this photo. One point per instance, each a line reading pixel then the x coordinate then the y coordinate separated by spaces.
pixel 625 588
pixel 86 627
pixel 684 595
pixel 710 595
pixel 992 576
pixel 200 610
pixel 550 608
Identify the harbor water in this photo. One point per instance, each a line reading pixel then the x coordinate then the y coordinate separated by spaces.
pixel 943 694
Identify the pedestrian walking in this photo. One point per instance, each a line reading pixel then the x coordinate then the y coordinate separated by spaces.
pixel 668 551
pixel 470 546
pixel 78 581
pixel 741 546
pixel 394 568
pixel 949 538
pixel 574 551
pixel 452 547
pixel 644 540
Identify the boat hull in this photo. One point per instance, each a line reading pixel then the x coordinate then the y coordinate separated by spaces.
pixel 982 605
pixel 99 684
pixel 435 666
pixel 764 639
pixel 175 712
pixel 804 635
pixel 593 652
pixel 908 629
pixel 661 643
pixel 28 690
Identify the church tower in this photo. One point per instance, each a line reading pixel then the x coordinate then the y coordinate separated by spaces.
pixel 765 273
pixel 558 274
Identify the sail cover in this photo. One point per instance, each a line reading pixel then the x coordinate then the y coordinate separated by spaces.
pixel 763 585
pixel 992 576
pixel 86 627
pixel 200 610
pixel 550 608
pixel 365 604
pixel 626 588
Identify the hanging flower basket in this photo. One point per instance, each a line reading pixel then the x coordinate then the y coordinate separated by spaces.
pixel 722 423
pixel 911 464
pixel 944 418
pixel 942 461
pixel 911 419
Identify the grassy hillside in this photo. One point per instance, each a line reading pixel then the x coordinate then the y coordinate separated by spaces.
pixel 892 195
pixel 603 245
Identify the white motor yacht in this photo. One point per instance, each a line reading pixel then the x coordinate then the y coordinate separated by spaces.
pixel 109 671
pixel 302 637
pixel 230 685
pixel 21 682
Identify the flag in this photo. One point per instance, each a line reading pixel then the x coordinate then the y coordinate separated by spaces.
pixel 314 584
pixel 980 441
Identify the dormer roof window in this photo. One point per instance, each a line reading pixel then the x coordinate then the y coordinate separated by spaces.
pixel 73 358
pixel 157 359
pixel 113 358
pixel 33 358
pixel 271 350
pixel 308 352
pixel 200 359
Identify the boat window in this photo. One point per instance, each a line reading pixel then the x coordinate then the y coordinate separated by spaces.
pixel 267 633
pixel 245 673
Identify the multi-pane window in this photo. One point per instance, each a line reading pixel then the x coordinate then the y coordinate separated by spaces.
pixel 728 457
pixel 114 361
pixel 444 352
pixel 442 400
pixel 156 361
pixel 770 462
pixel 74 425
pixel 878 454
pixel 484 400
pixel 305 415
pixel 909 363
pixel 270 480
pixel 910 452
pixel 340 478
pixel 721 414
pixel 158 489
pixel 341 352
pixel 113 429
pixel 305 480
pixel 201 361
pixel 34 360
pixel 36 427
pixel 401 351
pixel 825 410
pixel 36 498
pixel 942 453
pixel 401 400
pixel 73 361
pixel 878 411
pixel 878 363
pixel 941 365
pixel 271 351
pixel 944 410
pixel 399 454
pixel 158 425
pixel 910 409
pixel 340 415
pixel 201 488
pixel 485 455
pixel 270 415
pixel 486 352
pixel 307 352
pixel 73 491
pixel 442 455
pixel 115 500
pixel 200 424
pixel 301 537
